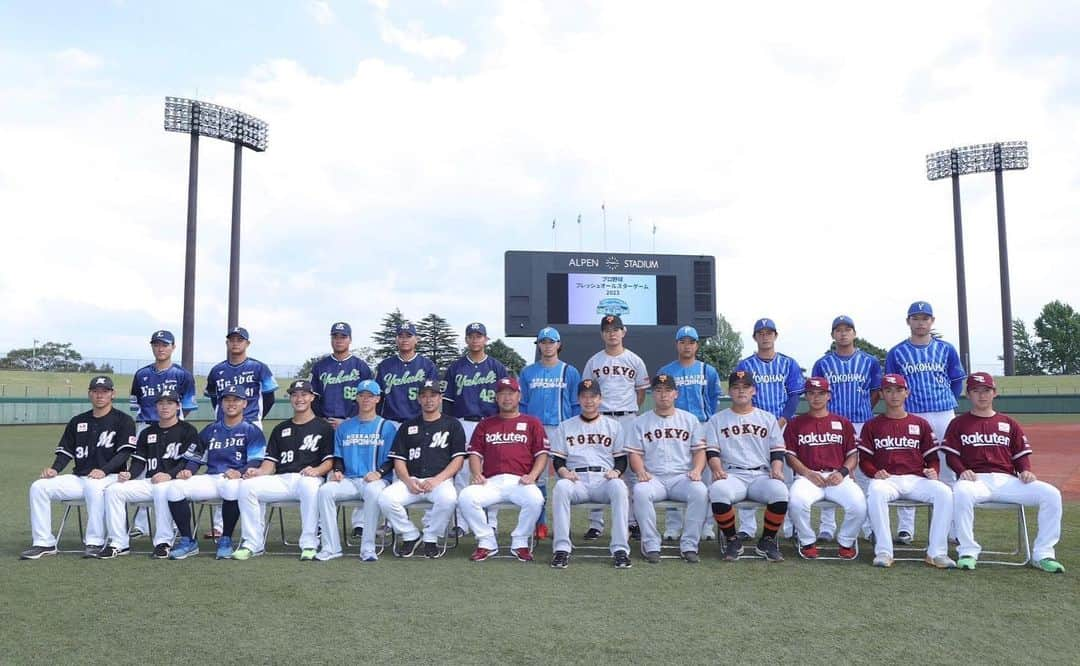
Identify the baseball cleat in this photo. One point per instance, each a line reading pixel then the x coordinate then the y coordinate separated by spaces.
pixel 407 548
pixel 883 561
pixel 224 548
pixel 940 562
pixel 743 536
pixel 966 562
pixel 432 550
pixel 91 551
pixel 848 552
pixel 560 560
pixel 308 555
pixel 161 551
pixel 690 556
pixel 635 533
pixel 766 547
pixel 186 548
pixel 481 554
pixel 826 536
pixel 621 560
pixel 523 554
pixel 904 538
pixel 37 552
pixel 135 533
pixel 542 532
pixel 357 532
pixel 112 552
pixel 370 557
pixel 652 557
pixel 809 551
pixel 1049 565
pixel 733 549
pixel 326 556
pixel 592 534
pixel 245 553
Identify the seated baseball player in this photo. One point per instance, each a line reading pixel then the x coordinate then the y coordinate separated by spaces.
pixel 507 452
pixel 359 471
pixel 667 457
pixel 992 459
pixel 99 441
pixel 587 453
pixel 897 453
pixel 299 454
pixel 746 455
pixel 427 452
pixel 228 448
pixel 822 452
pixel 159 452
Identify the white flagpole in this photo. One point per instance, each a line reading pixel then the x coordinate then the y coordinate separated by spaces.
pixel 603 209
pixel 654 237
pixel 629 237
pixel 581 246
pixel 554 235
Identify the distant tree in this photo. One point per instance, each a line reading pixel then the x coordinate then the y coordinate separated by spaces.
pixel 305 369
pixel 50 356
pixel 1058 328
pixel 722 350
pixel 869 348
pixel 502 352
pixel 90 366
pixel 385 338
pixel 437 341
pixel 1025 351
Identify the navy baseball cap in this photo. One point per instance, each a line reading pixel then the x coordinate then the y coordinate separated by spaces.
pixel 163 336
pixel 168 395
pixel 741 377
pixel 234 391
pixel 920 307
pixel 341 328
pixel 238 330
pixel 101 382
pixel 611 321
pixel 842 320
pixel 765 323
pixel 588 386
pixel 686 332
pixel 430 385
pixel 665 380
pixel 406 327
pixel 476 327
pixel 368 386
pixel 548 333
pixel 301 385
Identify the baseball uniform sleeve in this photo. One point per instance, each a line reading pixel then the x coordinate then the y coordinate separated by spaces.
pixel 133 401
pixel 187 394
pixel 892 366
pixel 791 438
pixel 817 370
pixel 211 389
pixel 1019 448
pixel 618 444
pixel 632 439
pixel 874 374
pixel 458 446
pixel 642 374
pixel 851 443
pixel 573 378
pixel 397 448
pixel 927 446
pixel 389 434
pixel 267 382
pixel 327 442
pixel 776 439
pixel 523 382
pixel 953 448
pixel 538 438
pixel 449 386
pixel 317 387
pixel 589 369
pixel 273 445
pixel 339 448
pixel 794 383
pixel 65 448
pixel 140 455
pixel 478 443
pixel 256 446
pixel 558 445
pixel 713 390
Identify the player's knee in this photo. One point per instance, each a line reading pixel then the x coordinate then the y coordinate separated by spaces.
pixel 698 492
pixel 643 492
pixel 562 489
pixel 617 490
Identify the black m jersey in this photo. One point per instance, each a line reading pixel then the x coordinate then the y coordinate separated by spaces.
pixel 427 447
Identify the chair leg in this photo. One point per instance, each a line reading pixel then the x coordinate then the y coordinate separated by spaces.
pixel 63 522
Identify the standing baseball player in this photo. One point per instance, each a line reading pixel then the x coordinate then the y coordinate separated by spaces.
pixel 992 459
pixel 855 384
pixel 360 471
pixel 587 452
pixel 897 452
pixel 299 453
pixel 159 452
pixel 745 450
pixel 667 457
pixel 548 392
pixel 507 453
pixel 427 453
pixel 401 377
pixel 822 450
pixel 935 377
pixel 99 442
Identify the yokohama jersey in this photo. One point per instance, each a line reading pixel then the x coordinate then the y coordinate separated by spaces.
pixel 744 440
pixel 162 449
pixel 820 443
pixel 292 446
pixel 775 380
pixel 400 382
pixel 92 442
pixel 470 387
pixel 335 383
pixel 619 377
pixel 222 447
pixel 986 444
pixel 149 382
pixel 508 446
pixel 667 443
pixel 851 379
pixel 427 447
pixel 930 371
pixel 898 446
pixel 593 443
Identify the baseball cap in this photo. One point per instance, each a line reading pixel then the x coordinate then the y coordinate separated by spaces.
pixel 341 328
pixel 168 395
pixel 983 379
pixel 368 386
pixel 741 377
pixel 817 384
pixel 234 391
pixel 588 386
pixel 611 321
pixel 101 382
pixel 686 332
pixel 548 333
pixel 430 385
pixel 406 327
pixel 920 307
pixel 163 336
pixel 894 380
pixel 476 327
pixel 301 385
pixel 764 323
pixel 665 380
pixel 842 320
pixel 238 330
pixel 507 384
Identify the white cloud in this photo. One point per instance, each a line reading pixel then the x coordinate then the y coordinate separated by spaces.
pixel 321 12
pixel 413 40
pixel 77 60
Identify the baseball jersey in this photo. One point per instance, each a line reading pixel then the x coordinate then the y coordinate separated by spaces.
pixel 400 381
pixel 251 375
pixel 930 371
pixel 820 442
pixel 667 443
pixel 775 380
pixel 898 446
pixel 149 382
pixel 986 444
pixel 508 446
pixel 93 442
pixel 222 447
pixel 470 387
pixel 620 377
pixel 550 393
pixel 595 443
pixel 335 383
pixel 746 440
pixel 699 387
pixel 294 446
pixel 427 447
pixel 162 449
pixel 362 445
pixel 851 379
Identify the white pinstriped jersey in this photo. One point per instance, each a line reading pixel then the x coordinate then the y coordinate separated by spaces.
pixel 619 377
pixel 667 443
pixel 744 440
pixel 584 443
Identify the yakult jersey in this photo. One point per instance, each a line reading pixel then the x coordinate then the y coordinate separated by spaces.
pixel 699 387
pixel 335 383
pixel 400 382
pixel 820 443
pixel 744 440
pixel 930 371
pixel 162 449
pixel 470 387
pixel 149 382
pixel 222 447
pixel 93 442
pixel 620 377
pixel 851 380
pixel 595 443
pixel 775 380
pixel 666 443
pixel 363 446
pixel 294 446
pixel 508 446
pixel 427 447
pixel 252 376
pixel 898 446
pixel 550 393
pixel 986 444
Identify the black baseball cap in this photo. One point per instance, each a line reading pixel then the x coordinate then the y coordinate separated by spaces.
pixel 665 380
pixel 741 377
pixel 168 395
pixel 611 321
pixel 430 385
pixel 301 385
pixel 588 386
pixel 101 382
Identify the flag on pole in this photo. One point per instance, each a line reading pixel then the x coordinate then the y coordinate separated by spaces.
pixel 579 218
pixel 552 223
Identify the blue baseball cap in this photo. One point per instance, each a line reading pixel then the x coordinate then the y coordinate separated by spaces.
pixel 368 386
pixel 842 320
pixel 476 327
pixel 234 391
pixel 341 328
pixel 765 323
pixel 163 336
pixel 686 332
pixel 920 307
pixel 238 330
pixel 406 327
pixel 548 333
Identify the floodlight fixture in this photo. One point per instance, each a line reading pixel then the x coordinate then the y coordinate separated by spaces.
pixel 216 122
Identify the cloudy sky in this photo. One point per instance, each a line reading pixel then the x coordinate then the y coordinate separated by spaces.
pixel 412 143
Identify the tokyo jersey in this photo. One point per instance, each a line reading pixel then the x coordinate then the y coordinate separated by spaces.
pixel 775 380
pixel 744 440
pixel 250 375
pixel 92 442
pixel 898 446
pixel 699 387
pixel 149 382
pixel 550 393
pixel 335 383
pixel 820 443
pixel 362 446
pixel 508 446
pixel 595 443
pixel 851 379
pixel 294 446
pixel 427 447
pixel 667 443
pixel 400 382
pixel 222 447
pixel 987 444
pixel 930 371
pixel 620 377
pixel 162 449
pixel 470 387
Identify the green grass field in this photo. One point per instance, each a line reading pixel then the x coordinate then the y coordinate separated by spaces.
pixel 276 609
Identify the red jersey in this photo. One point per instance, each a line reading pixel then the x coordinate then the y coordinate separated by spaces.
pixel 898 446
pixel 508 446
pixel 986 444
pixel 820 442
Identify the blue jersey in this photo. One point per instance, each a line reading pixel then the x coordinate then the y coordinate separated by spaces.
pixel 851 379
pixel 222 447
pixel 930 371
pixel 363 445
pixel 149 382
pixel 251 375
pixel 699 387
pixel 400 382
pixel 470 387
pixel 550 393
pixel 335 383
pixel 775 380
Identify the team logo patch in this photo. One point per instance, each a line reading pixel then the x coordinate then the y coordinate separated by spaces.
pixel 837 426
pixel 286 432
pixel 151 439
pixel 521 426
pixel 412 430
pixel 82 427
pixel 1004 427
pixel 913 429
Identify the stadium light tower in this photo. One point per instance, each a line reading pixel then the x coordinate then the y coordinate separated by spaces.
pixel 243 131
pixel 956 162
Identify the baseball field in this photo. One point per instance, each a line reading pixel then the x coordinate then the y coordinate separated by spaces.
pixel 276 609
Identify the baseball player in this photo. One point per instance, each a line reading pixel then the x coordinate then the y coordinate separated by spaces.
pixel 548 392
pixel 855 384
pixel 401 377
pixel 778 383
pixel 623 379
pixel 699 391
pixel 745 450
pixel 99 441
pixel 299 453
pixel 822 451
pixel 158 452
pixel 507 453
pixel 992 459
pixel 228 448
pixel 897 452
pixel 935 376
pixel 428 451
pixel 667 459
pixel 587 452
pixel 360 471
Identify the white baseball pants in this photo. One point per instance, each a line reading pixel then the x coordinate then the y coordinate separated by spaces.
pixel 590 487
pixel 676 487
pixel 44 492
pixel 349 488
pixel 397 497
pixel 997 487
pixel 910 487
pixel 803 494
pixel 473 501
pixel 279 488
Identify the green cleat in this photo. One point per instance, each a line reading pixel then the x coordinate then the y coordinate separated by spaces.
pixel 966 562
pixel 307 555
pixel 1049 565
pixel 242 553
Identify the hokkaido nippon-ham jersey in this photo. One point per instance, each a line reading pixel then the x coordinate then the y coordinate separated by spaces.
pixel 508 445
pixel 898 446
pixel 820 442
pixel 987 444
